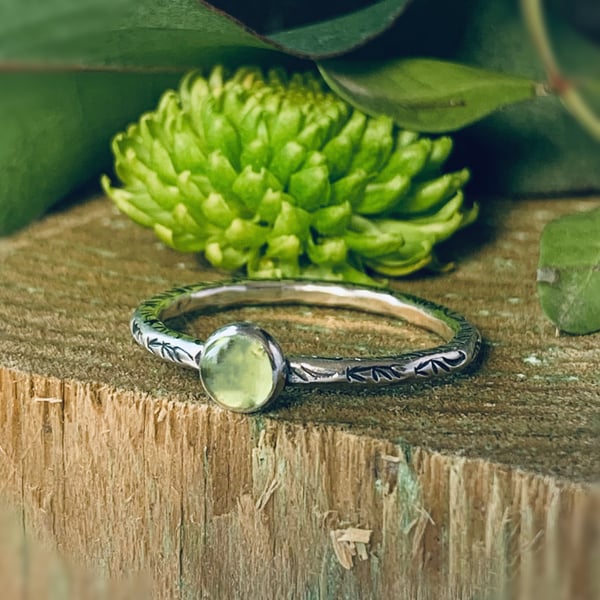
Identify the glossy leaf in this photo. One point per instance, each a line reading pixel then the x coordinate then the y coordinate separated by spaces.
pixel 569 272
pixel 337 36
pixel 72 72
pixel 56 130
pixel 115 34
pixel 529 148
pixel 424 94
pixel 75 34
pixel 63 97
pixel 537 147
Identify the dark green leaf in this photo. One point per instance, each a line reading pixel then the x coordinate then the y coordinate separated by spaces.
pixel 569 272
pixel 424 94
pixel 56 130
pixel 74 34
pixel 60 103
pixel 337 36
pixel 529 148
pixel 56 123
pixel 535 147
pixel 116 34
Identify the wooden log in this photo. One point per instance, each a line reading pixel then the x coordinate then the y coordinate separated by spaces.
pixel 485 486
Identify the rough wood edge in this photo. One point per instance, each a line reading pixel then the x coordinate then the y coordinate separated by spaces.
pixel 202 503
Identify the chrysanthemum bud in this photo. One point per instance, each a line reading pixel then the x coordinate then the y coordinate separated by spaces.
pixel 278 176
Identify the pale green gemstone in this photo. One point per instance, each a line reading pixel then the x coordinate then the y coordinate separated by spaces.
pixel 236 370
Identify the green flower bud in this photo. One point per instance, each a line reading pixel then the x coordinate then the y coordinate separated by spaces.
pixel 291 220
pixel 330 251
pixel 310 187
pixel 332 220
pixel 217 211
pixel 380 197
pixel 243 234
pixel 250 186
pixel 278 176
pixel 429 195
pixel 287 247
pixel 287 161
pixel 440 150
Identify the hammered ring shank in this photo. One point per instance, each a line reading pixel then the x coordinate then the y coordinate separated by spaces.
pixel 243 368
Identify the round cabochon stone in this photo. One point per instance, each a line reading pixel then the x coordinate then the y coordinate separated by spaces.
pixel 238 369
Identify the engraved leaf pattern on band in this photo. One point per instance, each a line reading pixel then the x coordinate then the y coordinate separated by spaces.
pixel 376 373
pixel 416 364
pixel 442 362
pixel 310 374
pixel 136 332
pixel 167 351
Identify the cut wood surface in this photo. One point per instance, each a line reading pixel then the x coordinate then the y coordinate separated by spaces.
pixel 482 486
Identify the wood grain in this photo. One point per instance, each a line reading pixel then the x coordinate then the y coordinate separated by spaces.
pixel 485 486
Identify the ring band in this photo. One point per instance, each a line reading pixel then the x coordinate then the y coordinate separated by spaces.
pixel 242 368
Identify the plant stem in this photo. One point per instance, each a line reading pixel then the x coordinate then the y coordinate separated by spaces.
pixel 570 96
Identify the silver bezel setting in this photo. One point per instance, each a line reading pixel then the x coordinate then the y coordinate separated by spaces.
pixel 461 340
pixel 272 350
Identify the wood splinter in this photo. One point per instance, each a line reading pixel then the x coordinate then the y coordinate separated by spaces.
pixel 350 542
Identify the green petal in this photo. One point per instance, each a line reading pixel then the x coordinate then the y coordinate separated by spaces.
pixel 379 197
pixel 327 251
pixel 338 152
pixel 374 245
pixel 332 220
pixel 311 187
pixel 429 195
pixel 270 205
pixel 287 161
pixel 375 146
pixel 242 234
pixel 250 186
pixel 256 155
pixel 350 188
pixel 413 255
pixel 220 172
pixel 440 150
pixel 292 220
pixel 187 154
pixel 227 258
pixel 287 247
pixel 407 160
pixel 355 127
pixel 218 211
pixel 285 125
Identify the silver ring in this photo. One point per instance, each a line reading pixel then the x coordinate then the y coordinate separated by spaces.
pixel 242 368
